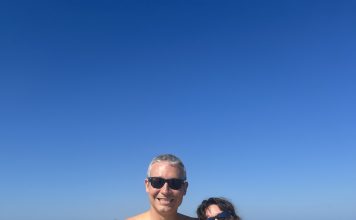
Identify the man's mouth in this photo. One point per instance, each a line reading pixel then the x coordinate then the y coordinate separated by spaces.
pixel 165 200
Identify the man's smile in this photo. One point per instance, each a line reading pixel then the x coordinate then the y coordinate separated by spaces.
pixel 165 200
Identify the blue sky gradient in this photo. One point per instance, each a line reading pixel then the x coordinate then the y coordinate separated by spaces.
pixel 256 97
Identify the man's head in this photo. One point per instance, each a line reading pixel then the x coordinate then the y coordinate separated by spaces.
pixel 166 184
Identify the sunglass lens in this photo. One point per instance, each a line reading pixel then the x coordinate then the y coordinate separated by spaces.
pixel 222 216
pixel 175 183
pixel 157 182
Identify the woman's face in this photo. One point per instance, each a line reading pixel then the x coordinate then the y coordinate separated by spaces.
pixel 212 211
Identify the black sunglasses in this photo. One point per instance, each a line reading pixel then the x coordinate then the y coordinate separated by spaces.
pixel 221 216
pixel 158 182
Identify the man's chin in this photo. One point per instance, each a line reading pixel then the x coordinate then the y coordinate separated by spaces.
pixel 166 209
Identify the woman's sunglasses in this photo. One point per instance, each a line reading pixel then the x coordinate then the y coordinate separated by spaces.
pixel 221 216
pixel 158 182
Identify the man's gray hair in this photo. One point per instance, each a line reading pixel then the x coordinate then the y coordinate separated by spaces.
pixel 171 159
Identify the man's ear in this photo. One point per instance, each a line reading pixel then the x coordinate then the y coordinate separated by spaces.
pixel 146 184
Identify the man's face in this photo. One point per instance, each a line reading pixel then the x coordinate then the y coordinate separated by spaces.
pixel 165 200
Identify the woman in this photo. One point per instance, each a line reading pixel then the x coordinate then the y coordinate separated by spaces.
pixel 217 209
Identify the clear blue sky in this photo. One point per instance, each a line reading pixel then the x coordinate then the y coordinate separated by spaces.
pixel 258 98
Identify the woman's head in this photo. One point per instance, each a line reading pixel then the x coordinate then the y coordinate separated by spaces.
pixel 217 208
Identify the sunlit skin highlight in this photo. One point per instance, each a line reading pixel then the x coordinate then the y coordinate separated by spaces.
pixel 212 210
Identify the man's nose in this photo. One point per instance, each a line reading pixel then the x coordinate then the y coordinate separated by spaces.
pixel 165 188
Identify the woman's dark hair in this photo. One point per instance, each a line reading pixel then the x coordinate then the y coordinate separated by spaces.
pixel 222 203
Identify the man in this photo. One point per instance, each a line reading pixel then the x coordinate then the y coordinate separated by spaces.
pixel 165 185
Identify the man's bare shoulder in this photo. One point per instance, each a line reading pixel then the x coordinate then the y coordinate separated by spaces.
pixel 141 216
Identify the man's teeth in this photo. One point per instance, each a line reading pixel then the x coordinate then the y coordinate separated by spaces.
pixel 163 199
